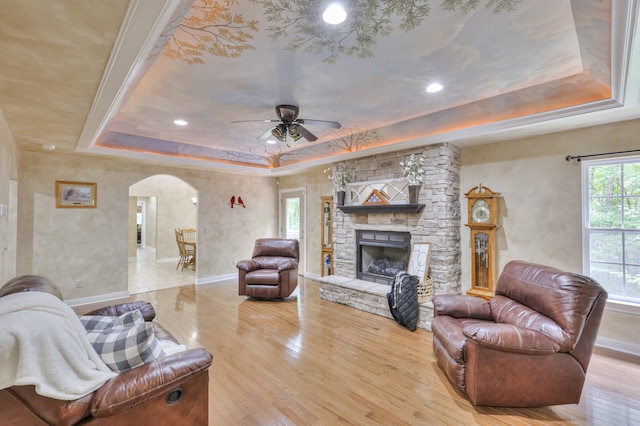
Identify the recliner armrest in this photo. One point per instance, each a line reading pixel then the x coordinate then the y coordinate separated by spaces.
pixel 509 338
pixel 248 265
pixel 461 306
pixel 147 310
pixel 287 265
pixel 136 386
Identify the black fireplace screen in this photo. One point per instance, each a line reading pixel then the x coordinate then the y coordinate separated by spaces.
pixel 381 255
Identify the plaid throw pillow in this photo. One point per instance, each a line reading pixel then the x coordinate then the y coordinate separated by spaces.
pixel 102 322
pixel 125 348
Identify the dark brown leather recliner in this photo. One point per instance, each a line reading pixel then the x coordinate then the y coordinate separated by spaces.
pixel 272 271
pixel 529 346
pixel 169 390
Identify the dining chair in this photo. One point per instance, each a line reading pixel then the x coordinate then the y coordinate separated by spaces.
pixel 189 235
pixel 187 251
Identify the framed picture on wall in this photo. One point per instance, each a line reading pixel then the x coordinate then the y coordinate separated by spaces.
pixel 419 261
pixel 76 194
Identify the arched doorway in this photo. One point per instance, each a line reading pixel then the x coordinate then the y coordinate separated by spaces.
pixel 157 206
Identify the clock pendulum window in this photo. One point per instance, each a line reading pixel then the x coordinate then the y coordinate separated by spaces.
pixel 483 223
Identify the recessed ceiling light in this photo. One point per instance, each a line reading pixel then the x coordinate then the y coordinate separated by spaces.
pixel 271 141
pixel 334 14
pixel 180 122
pixel 48 147
pixel 434 87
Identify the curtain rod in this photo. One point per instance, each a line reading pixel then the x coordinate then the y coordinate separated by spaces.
pixel 580 157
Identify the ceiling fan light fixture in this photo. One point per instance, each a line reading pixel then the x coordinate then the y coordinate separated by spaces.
pixel 434 87
pixel 280 132
pixel 294 132
pixel 334 14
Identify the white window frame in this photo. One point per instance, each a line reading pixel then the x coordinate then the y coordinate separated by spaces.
pixel 619 304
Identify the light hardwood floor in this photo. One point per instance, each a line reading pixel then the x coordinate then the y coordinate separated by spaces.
pixel 147 275
pixel 307 361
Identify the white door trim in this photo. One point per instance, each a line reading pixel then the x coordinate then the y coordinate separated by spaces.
pixel 303 220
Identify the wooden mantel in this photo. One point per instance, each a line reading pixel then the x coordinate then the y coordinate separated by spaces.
pixel 383 208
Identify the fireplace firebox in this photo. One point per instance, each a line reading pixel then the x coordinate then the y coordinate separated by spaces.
pixel 381 255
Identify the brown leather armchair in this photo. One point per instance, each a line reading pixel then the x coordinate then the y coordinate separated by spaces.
pixel 272 271
pixel 169 390
pixel 529 346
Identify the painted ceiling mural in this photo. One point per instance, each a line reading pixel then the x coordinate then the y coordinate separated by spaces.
pixel 217 62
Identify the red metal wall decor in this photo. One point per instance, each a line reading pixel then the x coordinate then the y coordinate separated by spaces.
pixel 236 201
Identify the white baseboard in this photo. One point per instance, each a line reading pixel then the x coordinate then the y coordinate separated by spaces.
pixel 97 299
pixel 618 346
pixel 216 279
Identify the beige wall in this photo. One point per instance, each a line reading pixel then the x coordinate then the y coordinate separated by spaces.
pixel 541 201
pixel 316 185
pixel 132 236
pixel 152 221
pixel 91 245
pixel 8 184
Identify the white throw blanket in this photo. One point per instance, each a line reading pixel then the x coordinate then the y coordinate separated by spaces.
pixel 43 343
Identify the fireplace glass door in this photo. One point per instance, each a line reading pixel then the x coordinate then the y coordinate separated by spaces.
pixel 381 255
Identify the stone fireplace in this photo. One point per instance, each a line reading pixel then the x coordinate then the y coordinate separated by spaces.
pixel 437 224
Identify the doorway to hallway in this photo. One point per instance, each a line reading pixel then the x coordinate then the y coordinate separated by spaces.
pixel 158 205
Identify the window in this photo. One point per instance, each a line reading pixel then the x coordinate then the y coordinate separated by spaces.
pixel 612 225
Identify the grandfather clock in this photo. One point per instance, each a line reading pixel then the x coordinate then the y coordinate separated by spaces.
pixel 483 222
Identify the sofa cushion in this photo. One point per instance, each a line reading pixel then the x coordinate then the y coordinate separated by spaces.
pixel 101 322
pixel 122 349
pixel 263 277
pixel 279 247
pixel 564 297
pixel 508 311
pixel 275 262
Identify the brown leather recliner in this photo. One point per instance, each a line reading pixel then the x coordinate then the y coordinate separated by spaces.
pixel 169 390
pixel 272 271
pixel 529 346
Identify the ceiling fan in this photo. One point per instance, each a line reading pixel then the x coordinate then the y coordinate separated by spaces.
pixel 290 125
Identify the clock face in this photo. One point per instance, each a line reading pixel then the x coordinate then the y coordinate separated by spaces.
pixel 480 211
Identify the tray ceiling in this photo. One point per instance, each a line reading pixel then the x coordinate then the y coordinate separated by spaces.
pixel 531 66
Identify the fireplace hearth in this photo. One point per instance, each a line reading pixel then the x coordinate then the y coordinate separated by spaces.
pixel 381 255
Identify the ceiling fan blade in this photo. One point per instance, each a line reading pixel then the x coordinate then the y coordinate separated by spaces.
pixel 307 134
pixel 324 123
pixel 257 121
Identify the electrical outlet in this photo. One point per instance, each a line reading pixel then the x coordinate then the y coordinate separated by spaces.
pixel 79 284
